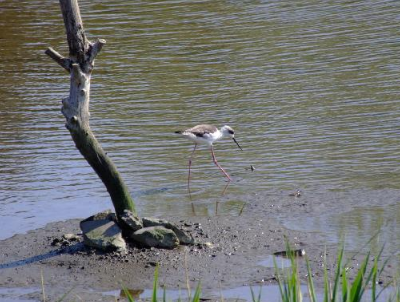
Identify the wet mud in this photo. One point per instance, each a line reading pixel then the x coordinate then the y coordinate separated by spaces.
pixel 231 251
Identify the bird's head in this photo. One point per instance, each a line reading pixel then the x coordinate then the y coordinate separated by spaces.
pixel 229 132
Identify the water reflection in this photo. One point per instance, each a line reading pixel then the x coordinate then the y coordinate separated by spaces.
pixel 361 220
pixel 310 88
pixel 279 262
pixel 143 294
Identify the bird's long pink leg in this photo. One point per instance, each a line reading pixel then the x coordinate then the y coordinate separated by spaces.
pixel 217 164
pixel 190 164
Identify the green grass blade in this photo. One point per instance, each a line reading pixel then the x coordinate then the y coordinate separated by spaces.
pixel 387 285
pixel 128 294
pixel 357 288
pixel 363 246
pixel 179 299
pixel 253 297
pixel 259 296
pixel 295 281
pixel 196 297
pixel 380 271
pixel 280 283
pixel 155 284
pixel 164 294
pixel 345 288
pixel 326 281
pixel 310 283
pixel 374 279
pixel 65 295
pixel 292 284
pixel 337 275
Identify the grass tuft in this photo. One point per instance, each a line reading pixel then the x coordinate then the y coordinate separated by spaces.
pixel 154 296
pixel 337 289
pixel 341 289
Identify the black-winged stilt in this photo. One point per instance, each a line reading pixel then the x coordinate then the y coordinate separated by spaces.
pixel 208 134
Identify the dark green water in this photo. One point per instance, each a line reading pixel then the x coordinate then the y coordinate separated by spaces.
pixel 311 88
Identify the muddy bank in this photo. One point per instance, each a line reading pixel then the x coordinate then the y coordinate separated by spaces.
pixel 229 254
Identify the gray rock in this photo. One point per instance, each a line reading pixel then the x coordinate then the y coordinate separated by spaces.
pixel 156 236
pixel 182 236
pixel 151 221
pixel 131 221
pixel 103 234
pixel 107 214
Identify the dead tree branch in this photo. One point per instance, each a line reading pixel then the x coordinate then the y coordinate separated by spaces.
pixel 75 107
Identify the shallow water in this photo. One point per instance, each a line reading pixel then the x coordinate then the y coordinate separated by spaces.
pixel 243 293
pixel 311 89
pixel 280 262
pixel 18 294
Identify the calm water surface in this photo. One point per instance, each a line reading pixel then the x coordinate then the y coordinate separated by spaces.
pixel 311 88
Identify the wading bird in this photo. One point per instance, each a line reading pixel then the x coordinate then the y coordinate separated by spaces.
pixel 208 134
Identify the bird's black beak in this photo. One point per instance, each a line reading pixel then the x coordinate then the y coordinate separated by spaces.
pixel 237 143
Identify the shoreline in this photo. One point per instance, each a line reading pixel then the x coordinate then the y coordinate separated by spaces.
pixel 230 255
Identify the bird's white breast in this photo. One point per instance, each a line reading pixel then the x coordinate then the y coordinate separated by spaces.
pixel 206 139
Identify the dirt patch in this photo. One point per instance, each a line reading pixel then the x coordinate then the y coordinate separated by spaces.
pixel 228 255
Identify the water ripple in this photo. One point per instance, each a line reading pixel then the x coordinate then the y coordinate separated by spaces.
pixel 310 88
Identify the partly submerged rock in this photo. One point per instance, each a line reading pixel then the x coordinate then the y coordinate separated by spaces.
pixel 182 236
pixel 131 221
pixel 156 236
pixel 102 234
pixel 294 253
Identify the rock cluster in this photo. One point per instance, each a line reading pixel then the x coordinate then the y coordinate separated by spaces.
pixel 105 232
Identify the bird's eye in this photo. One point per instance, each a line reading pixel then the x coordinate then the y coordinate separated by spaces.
pixel 231 132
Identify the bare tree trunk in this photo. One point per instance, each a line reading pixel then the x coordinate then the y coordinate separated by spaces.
pixel 75 108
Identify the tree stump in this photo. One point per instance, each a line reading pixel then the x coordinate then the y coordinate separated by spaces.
pixel 75 107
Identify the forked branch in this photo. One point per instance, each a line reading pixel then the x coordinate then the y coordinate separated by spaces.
pixel 75 107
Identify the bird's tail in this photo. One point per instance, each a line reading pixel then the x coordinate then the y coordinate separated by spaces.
pixel 179 132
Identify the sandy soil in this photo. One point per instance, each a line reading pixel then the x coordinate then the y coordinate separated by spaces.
pixel 228 256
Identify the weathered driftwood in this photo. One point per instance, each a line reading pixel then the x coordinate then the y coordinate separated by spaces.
pixel 75 107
